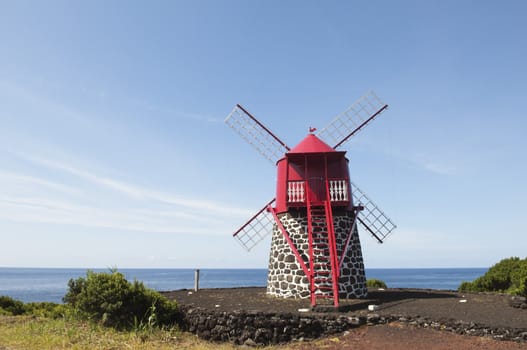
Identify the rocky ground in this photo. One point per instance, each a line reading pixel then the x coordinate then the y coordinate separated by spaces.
pixel 410 319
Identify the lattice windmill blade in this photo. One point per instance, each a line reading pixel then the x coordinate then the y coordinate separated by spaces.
pixel 353 119
pixel 371 217
pixel 256 229
pixel 256 134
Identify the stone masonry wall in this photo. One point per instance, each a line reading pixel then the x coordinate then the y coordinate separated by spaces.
pixel 286 277
pixel 251 329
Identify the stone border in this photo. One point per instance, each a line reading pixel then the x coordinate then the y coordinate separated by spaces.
pixel 254 329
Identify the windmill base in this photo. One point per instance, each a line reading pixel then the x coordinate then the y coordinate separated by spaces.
pixel 287 279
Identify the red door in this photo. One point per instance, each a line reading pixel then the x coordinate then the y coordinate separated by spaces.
pixel 317 189
pixel 316 178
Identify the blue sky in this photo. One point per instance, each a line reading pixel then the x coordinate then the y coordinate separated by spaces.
pixel 113 150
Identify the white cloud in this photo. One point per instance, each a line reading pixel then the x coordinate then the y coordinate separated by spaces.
pixel 44 210
pixel 440 168
pixel 33 199
pixel 176 113
pixel 33 104
pixel 141 193
pixel 448 159
pixel 25 180
pixel 431 162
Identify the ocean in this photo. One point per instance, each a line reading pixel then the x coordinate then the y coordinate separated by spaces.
pixel 50 284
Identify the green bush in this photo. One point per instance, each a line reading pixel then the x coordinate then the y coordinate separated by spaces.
pixel 507 276
pixel 10 306
pixel 110 299
pixel 47 309
pixel 375 283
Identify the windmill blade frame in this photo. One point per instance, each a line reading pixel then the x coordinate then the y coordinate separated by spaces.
pixel 256 228
pixel 371 217
pixel 353 119
pixel 256 134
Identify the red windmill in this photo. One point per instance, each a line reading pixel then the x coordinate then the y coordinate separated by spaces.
pixel 315 249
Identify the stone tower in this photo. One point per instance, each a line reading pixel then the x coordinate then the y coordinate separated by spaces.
pixel 287 279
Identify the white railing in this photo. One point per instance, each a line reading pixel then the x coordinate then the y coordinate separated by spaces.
pixel 338 190
pixel 296 192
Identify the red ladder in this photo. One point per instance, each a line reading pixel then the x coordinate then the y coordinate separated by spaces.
pixel 324 267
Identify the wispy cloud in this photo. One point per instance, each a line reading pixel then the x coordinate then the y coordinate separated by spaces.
pixel 445 160
pixel 25 180
pixel 31 101
pixel 428 161
pixel 440 168
pixel 175 113
pixel 44 210
pixel 138 192
pixel 38 101
pixel 25 198
pixel 51 191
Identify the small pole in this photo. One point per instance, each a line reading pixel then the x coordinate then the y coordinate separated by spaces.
pixel 196 280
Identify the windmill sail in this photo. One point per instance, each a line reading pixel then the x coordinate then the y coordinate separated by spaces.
pixel 371 217
pixel 256 134
pixel 353 119
pixel 256 228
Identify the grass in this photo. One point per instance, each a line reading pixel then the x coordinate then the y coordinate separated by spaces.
pixel 99 299
pixel 30 332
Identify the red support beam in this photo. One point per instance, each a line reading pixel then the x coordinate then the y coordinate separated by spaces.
pixel 335 269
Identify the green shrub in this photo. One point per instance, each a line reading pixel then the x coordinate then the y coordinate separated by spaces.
pixel 375 283
pixel 10 306
pixel 466 286
pixel 47 309
pixel 507 276
pixel 110 299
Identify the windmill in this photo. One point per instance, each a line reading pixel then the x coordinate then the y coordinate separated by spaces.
pixel 315 248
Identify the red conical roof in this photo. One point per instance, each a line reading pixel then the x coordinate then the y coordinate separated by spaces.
pixel 311 144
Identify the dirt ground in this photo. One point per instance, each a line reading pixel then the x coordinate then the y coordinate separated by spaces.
pixel 489 310
pixel 396 336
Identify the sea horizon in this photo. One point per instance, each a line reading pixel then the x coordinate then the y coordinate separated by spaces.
pixel 50 284
pixel 214 268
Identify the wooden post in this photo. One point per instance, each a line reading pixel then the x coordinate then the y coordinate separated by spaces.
pixel 196 280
